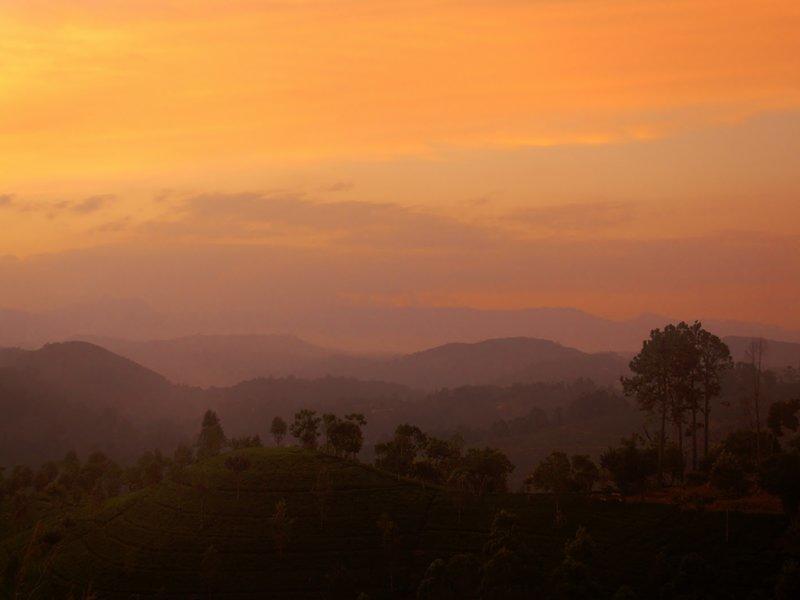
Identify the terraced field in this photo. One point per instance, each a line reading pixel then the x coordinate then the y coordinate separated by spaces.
pixel 213 535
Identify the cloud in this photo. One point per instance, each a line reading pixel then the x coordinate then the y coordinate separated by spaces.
pixel 577 217
pixel 733 276
pixel 91 204
pixel 83 206
pixel 295 217
pixel 340 186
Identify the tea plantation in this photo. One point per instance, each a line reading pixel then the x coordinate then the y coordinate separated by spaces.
pixel 301 524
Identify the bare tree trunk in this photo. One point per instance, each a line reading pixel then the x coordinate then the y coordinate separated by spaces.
pixel 706 420
pixel 756 356
pixel 694 438
pixel 727 525
pixel 661 442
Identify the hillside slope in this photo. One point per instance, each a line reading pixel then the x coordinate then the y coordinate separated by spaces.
pixel 777 355
pixel 219 360
pixel 93 374
pixel 209 535
pixel 228 360
pixel 501 361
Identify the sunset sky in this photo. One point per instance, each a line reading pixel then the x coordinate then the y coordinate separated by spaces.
pixel 618 156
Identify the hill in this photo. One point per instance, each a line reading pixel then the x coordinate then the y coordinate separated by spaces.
pixel 79 396
pixel 221 360
pixel 495 361
pixel 209 534
pixel 778 355
pixel 94 374
pixel 356 328
pixel 227 360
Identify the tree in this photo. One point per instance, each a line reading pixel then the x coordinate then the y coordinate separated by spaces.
pixel 399 454
pixel 653 383
pixel 714 358
pixel 783 415
pixel 780 475
pixel 278 430
pixel 281 526
pixel 246 441
pixel 212 438
pixel 630 465
pixel 486 470
pixel 210 564
pixel 322 491
pixel 181 459
pixel 509 570
pixel 728 476
pixel 306 428
pixel 573 579
pixel 788 585
pixel 238 464
pixel 389 538
pixel 344 437
pixel 558 475
pixel 554 475
pixel 454 579
pixel 755 352
pixel 584 472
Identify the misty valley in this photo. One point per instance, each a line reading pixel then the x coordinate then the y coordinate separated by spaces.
pixel 511 467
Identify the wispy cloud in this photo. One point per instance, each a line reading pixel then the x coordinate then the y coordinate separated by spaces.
pixel 80 207
pixel 576 216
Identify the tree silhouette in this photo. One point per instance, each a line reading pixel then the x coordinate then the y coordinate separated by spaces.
pixel 714 358
pixel 306 428
pixel 322 491
pixel 389 539
pixel 652 383
pixel 630 465
pixel 486 470
pixel 780 475
pixel 278 430
pixel 238 464
pixel 210 564
pixel 676 369
pixel 212 438
pixel 729 477
pixel 510 570
pixel 755 352
pixel 281 526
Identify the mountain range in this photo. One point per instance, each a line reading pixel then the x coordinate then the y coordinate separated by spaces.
pixel 355 328
pixel 224 360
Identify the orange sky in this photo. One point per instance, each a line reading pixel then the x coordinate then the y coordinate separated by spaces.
pixel 597 141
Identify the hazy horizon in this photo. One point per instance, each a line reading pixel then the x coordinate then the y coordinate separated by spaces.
pixel 616 156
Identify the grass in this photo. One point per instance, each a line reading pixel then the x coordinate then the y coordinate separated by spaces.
pixel 157 542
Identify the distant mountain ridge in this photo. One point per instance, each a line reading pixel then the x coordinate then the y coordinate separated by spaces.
pixel 92 374
pixel 227 360
pixel 356 328
pixel 777 355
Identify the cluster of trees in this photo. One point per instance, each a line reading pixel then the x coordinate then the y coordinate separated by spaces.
pixel 508 568
pixel 675 377
pixel 413 453
pixel 343 436
pixel 559 474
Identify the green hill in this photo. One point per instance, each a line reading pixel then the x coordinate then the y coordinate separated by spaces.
pixel 211 535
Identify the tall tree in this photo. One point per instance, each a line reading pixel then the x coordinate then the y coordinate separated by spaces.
pixel 653 380
pixel 755 352
pixel 306 427
pixel 714 358
pixel 212 438
pixel 237 464
pixel 281 526
pixel 278 430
